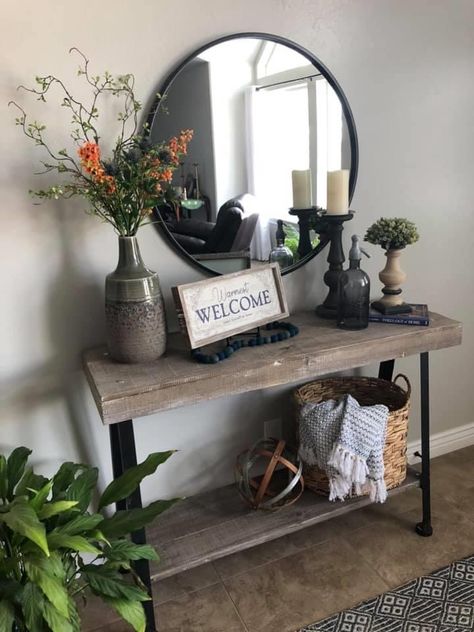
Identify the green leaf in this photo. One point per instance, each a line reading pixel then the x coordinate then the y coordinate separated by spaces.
pixel 29 481
pixel 38 501
pixel 74 542
pixel 3 477
pixel 22 519
pixel 106 581
pixel 32 607
pixel 9 567
pixel 124 550
pixel 9 587
pixel 74 618
pixel 125 522
pixel 125 485
pixel 55 620
pixel 97 535
pixel 50 585
pixel 131 611
pixel 82 487
pixel 65 476
pixel 52 509
pixel 81 523
pixel 7 616
pixel 16 466
pixel 54 565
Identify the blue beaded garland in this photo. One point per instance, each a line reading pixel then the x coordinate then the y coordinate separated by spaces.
pixel 289 331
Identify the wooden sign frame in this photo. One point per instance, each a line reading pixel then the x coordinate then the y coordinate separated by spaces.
pixel 217 308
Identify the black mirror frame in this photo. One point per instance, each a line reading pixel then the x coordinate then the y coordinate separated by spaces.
pixel 154 111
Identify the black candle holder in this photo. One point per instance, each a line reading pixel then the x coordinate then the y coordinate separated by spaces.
pixel 304 216
pixel 334 225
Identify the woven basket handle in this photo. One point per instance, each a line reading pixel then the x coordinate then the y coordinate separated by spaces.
pixel 407 382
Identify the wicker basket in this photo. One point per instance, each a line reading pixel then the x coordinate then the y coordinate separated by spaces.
pixel 367 391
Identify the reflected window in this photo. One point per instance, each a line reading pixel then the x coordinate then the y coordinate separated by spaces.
pixel 300 117
pixel 279 143
pixel 273 59
pixel 294 121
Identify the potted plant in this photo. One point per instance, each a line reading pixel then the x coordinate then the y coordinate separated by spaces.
pixel 47 532
pixel 121 189
pixel 393 234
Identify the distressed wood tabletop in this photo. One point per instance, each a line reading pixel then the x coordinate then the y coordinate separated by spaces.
pixel 128 391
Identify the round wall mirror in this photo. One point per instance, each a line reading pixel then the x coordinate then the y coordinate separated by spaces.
pixel 260 107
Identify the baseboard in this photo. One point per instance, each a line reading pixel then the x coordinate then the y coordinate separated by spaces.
pixel 444 442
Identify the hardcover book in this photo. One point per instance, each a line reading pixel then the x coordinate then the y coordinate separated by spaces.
pixel 418 316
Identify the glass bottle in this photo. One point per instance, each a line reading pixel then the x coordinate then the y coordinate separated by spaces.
pixel 354 292
pixel 281 254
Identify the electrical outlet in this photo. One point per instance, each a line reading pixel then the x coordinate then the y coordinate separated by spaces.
pixel 272 428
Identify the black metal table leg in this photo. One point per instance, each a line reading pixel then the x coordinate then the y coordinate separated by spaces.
pixel 424 527
pixel 386 370
pixel 124 456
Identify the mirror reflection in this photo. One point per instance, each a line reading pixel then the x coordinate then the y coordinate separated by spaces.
pixel 259 111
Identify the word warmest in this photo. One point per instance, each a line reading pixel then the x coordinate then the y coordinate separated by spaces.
pixel 234 307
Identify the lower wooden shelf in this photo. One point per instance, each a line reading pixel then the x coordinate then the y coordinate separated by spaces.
pixel 217 523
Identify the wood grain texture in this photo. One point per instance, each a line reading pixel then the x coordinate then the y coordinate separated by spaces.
pixel 217 523
pixel 127 391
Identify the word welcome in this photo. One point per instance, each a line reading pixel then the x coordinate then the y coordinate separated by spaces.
pixel 234 307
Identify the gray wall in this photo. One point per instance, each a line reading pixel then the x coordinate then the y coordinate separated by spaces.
pixel 406 68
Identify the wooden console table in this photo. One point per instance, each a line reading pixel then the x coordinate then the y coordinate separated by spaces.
pixel 216 523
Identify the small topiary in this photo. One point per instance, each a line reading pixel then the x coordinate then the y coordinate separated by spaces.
pixel 392 233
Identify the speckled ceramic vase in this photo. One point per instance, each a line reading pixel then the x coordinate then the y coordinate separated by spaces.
pixel 134 308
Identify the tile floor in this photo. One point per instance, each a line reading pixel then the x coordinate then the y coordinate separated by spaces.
pixel 296 580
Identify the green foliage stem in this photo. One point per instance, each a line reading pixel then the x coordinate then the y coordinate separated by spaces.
pixel 123 188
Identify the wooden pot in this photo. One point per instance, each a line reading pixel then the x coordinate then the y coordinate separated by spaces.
pixel 392 276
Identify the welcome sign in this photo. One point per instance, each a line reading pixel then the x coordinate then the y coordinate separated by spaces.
pixel 230 304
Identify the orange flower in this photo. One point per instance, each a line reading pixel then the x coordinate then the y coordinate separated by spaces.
pixel 109 181
pixel 89 154
pixel 89 150
pixel 179 145
pixel 167 175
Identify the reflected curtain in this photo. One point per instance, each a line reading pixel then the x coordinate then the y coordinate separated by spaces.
pixel 261 242
pixel 277 141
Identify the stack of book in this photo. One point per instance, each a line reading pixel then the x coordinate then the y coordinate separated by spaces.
pixel 418 316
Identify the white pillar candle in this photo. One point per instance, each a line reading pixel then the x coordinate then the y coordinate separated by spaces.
pixel 338 192
pixel 301 188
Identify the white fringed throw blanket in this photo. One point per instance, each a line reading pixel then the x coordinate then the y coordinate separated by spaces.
pixel 346 440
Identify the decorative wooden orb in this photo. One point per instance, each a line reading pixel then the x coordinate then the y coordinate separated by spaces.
pixel 278 486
